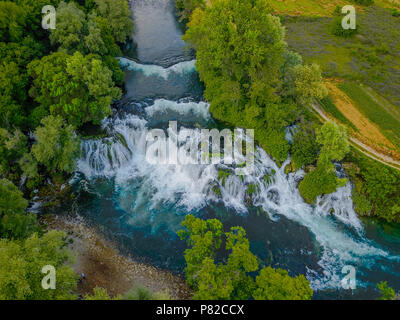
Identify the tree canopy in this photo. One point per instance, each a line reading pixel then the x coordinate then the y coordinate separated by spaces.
pixel 79 88
pixel 231 278
pixel 57 145
pixel 252 80
pixel 334 144
pixel 14 222
pixel 21 264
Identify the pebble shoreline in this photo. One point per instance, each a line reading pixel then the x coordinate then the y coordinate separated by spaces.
pixel 104 266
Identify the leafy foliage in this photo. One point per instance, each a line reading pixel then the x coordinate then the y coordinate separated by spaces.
pixel 14 222
pixel 309 84
pixel 334 147
pixel 142 293
pixel 334 141
pixel 57 145
pixel 318 182
pixel 12 22
pixel 21 264
pixel 186 7
pixel 232 278
pixel 70 27
pixel 247 69
pixel 305 148
pixel 77 87
pixel 387 293
pixel 376 188
pixel 118 15
pixel 269 286
pixel 100 294
pixel 66 89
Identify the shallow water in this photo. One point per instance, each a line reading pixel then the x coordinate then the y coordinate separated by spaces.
pixel 141 206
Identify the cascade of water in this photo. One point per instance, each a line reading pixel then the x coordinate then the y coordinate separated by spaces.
pixel 332 221
pixel 154 70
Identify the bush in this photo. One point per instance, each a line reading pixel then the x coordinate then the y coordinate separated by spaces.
pixel 316 183
pixel 362 205
pixel 142 293
pixel 387 293
pixel 305 148
pixel 337 28
pixel 395 13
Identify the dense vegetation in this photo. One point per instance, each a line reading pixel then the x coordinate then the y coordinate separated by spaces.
pixel 237 276
pixel 254 81
pixel 51 83
pixel 334 147
pixel 387 293
pixel 275 87
pixel 376 188
pixel 371 56
pixel 368 59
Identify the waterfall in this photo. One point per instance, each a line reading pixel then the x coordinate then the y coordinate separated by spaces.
pixel 121 156
pixel 154 70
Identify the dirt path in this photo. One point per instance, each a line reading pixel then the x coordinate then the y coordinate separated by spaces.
pixel 105 267
pixel 360 146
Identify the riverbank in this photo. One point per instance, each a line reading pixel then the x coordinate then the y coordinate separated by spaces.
pixel 104 266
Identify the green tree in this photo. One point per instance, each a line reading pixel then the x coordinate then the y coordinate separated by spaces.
pixel 142 293
pixel 240 52
pixel 12 22
pixel 252 80
pixel 57 145
pixel 94 40
pixel 305 148
pixel 334 140
pixel 230 278
pixel 309 84
pixel 21 264
pixel 12 94
pixel 380 188
pixel 334 147
pixel 70 27
pixel 14 80
pixel 204 237
pixel 33 17
pixel 318 182
pixel 79 88
pixel 100 294
pixel 15 223
pixel 118 14
pixel 15 160
pixel 186 7
pixel 12 147
pixel 387 293
pixel 269 286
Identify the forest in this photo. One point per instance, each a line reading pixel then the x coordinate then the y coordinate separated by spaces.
pixel 54 84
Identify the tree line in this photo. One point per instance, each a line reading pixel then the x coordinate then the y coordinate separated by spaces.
pixel 52 82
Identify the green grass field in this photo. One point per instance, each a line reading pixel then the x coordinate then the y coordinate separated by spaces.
pixel 321 8
pixel 371 57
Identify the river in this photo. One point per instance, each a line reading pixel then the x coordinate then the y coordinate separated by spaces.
pixel 140 206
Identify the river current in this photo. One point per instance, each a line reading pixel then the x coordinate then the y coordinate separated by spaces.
pixel 140 206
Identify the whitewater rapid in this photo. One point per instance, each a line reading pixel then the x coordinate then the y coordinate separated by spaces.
pixel 122 157
pixel 155 70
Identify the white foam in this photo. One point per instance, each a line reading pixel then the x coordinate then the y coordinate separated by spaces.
pixel 193 187
pixel 155 70
pixel 163 106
